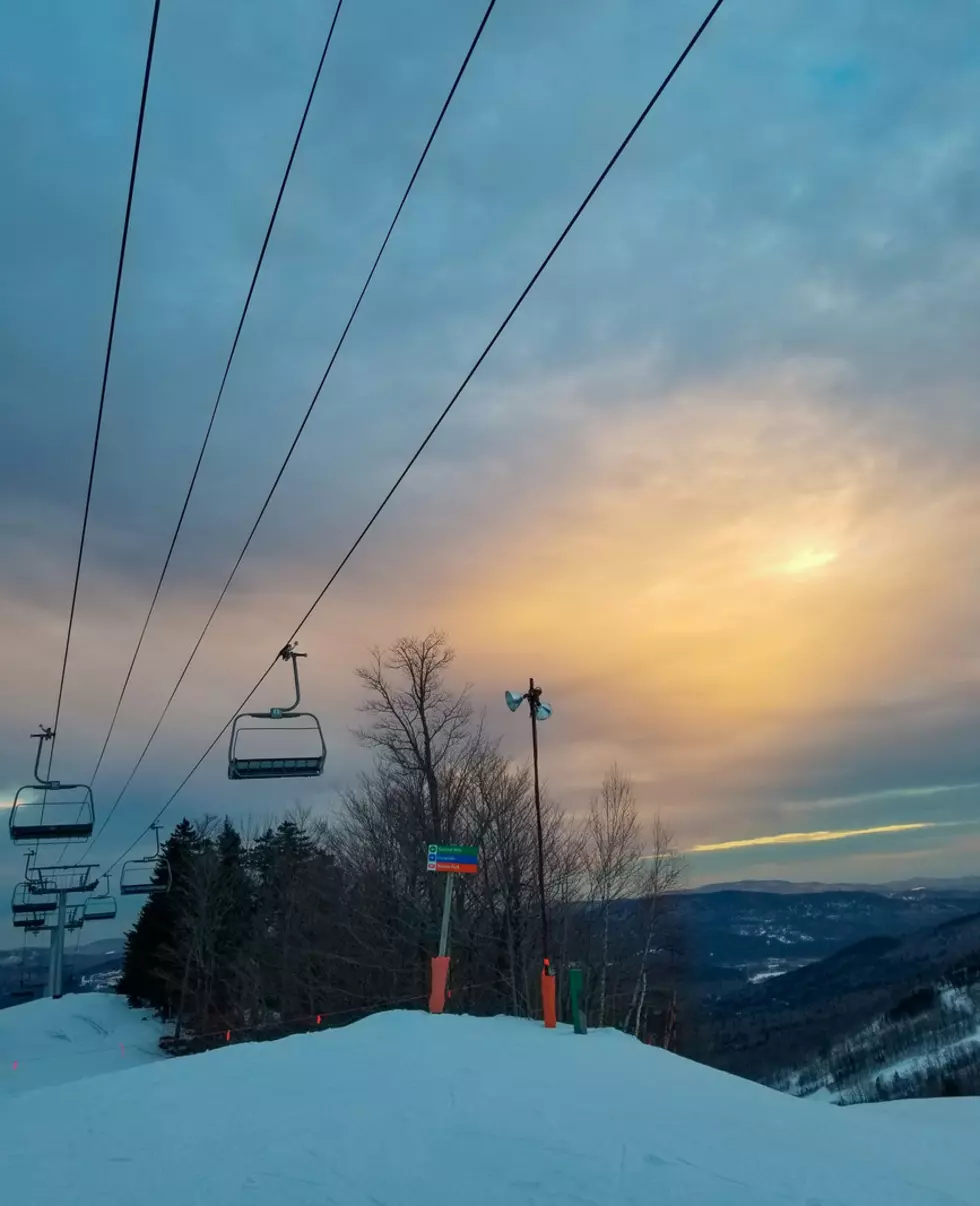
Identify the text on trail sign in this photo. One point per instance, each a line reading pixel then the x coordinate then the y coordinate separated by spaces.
pixel 465 859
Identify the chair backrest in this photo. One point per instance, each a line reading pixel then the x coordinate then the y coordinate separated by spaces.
pixel 99 908
pixel 145 876
pixel 25 901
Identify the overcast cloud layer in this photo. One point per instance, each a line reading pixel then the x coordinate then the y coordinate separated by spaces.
pixel 716 488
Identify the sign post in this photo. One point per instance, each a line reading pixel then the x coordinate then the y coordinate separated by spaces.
pixel 452 861
pixel 447 905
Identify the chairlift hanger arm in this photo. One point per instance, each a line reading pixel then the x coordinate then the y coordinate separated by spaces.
pixel 288 654
pixel 45 734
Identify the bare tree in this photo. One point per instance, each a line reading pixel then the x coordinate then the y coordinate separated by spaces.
pixel 661 876
pixel 417 724
pixel 612 857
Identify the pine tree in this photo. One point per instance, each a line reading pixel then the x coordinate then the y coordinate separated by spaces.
pixel 152 943
pixel 235 920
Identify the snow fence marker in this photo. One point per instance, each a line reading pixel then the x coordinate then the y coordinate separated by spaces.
pixel 575 993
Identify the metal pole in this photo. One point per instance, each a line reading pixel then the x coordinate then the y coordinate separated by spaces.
pixel 533 695
pixel 59 936
pixel 51 958
pixel 447 904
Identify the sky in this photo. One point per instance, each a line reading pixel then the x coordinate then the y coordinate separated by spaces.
pixel 715 488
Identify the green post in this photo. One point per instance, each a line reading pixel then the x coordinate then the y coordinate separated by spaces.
pixel 575 992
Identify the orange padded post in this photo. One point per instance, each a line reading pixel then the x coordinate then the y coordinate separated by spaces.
pixel 437 988
pixel 548 1005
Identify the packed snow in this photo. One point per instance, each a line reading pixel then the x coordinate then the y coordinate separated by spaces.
pixel 946 1113
pixel 408 1109
pixel 45 1043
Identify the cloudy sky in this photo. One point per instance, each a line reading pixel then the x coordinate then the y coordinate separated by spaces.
pixel 715 488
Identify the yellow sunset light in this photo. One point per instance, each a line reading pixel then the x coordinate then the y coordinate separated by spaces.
pixel 807 561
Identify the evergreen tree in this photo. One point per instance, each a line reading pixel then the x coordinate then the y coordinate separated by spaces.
pixel 151 944
pixel 235 920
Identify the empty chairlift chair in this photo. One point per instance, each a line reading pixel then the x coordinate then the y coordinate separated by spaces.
pixel 25 902
pixel 39 923
pixel 101 906
pixel 49 810
pixel 297 751
pixel 146 876
pixel 33 923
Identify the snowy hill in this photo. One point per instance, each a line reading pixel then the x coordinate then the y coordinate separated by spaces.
pixel 928 1046
pixel 886 986
pixel 406 1109
pixel 45 1043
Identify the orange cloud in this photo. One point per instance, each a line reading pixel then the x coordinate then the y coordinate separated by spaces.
pixel 720 569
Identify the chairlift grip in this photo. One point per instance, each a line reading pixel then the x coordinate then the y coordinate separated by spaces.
pixel 46 734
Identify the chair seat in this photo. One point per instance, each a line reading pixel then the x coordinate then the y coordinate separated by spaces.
pixel 55 831
pixel 275 768
pixel 44 906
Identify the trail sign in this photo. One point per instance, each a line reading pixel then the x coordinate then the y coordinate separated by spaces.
pixel 463 859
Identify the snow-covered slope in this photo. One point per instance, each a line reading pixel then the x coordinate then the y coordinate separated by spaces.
pixel 910 1054
pixel 948 1114
pixel 406 1109
pixel 46 1043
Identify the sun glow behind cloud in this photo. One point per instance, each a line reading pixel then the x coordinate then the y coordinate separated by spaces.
pixel 651 569
pixel 738 583
pixel 807 561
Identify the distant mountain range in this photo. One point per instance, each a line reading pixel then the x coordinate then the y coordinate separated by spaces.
pixel 871 1004
pixel 785 887
pixel 753 931
pixel 92 966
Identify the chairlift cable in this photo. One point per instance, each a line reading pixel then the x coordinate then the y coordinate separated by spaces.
pixel 221 390
pixel 105 375
pixel 310 408
pixel 435 427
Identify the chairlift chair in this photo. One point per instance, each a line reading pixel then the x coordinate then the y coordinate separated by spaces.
pixel 282 765
pixel 49 810
pixel 33 923
pixel 61 879
pixel 100 907
pixel 38 923
pixel 25 901
pixel 146 876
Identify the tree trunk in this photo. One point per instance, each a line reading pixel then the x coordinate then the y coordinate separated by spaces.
pixel 605 963
pixel 639 1008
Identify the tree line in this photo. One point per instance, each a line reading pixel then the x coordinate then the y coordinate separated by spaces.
pixel 319 922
